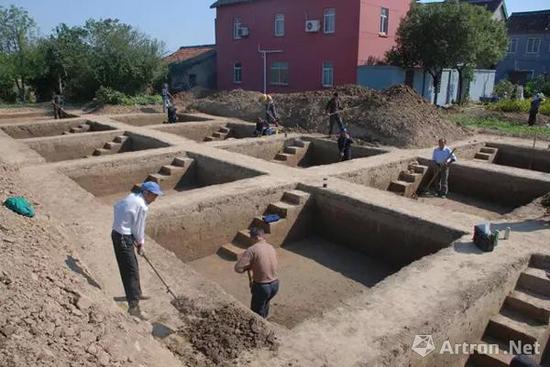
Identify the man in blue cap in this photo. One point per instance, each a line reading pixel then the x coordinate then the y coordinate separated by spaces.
pixel 128 233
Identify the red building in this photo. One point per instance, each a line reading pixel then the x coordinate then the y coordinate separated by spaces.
pixel 296 45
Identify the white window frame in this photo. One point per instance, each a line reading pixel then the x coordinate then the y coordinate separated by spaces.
pixel 537 41
pixel 329 21
pixel 278 66
pixel 384 21
pixel 236 28
pixel 512 42
pixel 238 70
pixel 279 30
pixel 328 67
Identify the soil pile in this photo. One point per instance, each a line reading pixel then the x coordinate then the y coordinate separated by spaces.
pixel 397 116
pixel 222 333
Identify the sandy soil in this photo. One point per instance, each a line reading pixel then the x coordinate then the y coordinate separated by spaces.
pixel 315 276
pixel 466 204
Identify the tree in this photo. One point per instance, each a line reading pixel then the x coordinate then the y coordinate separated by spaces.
pixel 17 46
pixel 447 35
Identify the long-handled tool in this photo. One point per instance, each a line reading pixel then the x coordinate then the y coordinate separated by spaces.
pixel 533 151
pixel 344 110
pixel 439 169
pixel 168 290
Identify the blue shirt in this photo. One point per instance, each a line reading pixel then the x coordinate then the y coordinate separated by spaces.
pixel 443 155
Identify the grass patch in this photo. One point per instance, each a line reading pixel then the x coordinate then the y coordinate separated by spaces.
pixel 497 125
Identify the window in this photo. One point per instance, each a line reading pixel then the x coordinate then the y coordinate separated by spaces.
pixel 384 20
pixel 237 72
pixel 533 45
pixel 329 23
pixel 328 75
pixel 279 25
pixel 279 73
pixel 512 45
pixel 237 28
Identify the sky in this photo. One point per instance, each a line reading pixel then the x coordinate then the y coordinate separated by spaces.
pixel 175 22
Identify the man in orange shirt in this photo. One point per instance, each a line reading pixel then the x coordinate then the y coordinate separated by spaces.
pixel 261 259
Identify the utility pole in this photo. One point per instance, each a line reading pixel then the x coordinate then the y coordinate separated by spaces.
pixel 264 54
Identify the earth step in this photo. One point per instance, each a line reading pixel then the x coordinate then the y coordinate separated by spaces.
pixel 155 177
pixel 230 251
pixel 181 161
pixel 534 307
pixel 280 208
pixel 85 127
pixel 282 156
pixel 482 156
pixel 101 151
pixel 243 238
pixel 219 135
pixel 258 222
pixel 224 130
pixel 169 169
pixel 500 359
pixel 209 138
pixel 120 139
pixel 291 149
pixel 488 150
pixel 534 280
pixel 512 326
pixel 66 133
pixel 296 197
pixel 299 143
pixel 112 145
pixel 75 129
pixel 409 177
pixel 399 186
pixel 418 168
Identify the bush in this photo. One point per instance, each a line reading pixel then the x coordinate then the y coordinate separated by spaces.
pixel 545 108
pixel 537 85
pixel 111 96
pixel 510 105
pixel 504 89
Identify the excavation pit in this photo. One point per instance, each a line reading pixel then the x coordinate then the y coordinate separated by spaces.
pixel 330 248
pixel 147 119
pixel 535 159
pixel 302 152
pixel 175 173
pixel 489 194
pixel 76 146
pixel 210 130
pixel 54 128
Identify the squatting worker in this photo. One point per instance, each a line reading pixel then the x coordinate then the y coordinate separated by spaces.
pixel 128 233
pixel 261 259
pixel 332 109
pixel 442 158
pixel 344 145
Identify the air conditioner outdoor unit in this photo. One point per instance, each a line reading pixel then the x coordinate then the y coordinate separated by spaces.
pixel 244 32
pixel 313 25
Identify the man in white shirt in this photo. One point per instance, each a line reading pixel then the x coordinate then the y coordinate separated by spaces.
pixel 442 158
pixel 128 232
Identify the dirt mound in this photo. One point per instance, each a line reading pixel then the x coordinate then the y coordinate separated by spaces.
pixel 397 116
pixel 222 334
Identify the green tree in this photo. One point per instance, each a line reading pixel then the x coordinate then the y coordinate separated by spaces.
pixel 17 46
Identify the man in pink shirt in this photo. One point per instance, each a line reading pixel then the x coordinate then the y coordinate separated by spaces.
pixel 261 259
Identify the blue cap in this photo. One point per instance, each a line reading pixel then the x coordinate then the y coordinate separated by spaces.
pixel 152 187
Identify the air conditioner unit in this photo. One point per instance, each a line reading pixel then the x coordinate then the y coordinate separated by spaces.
pixel 313 25
pixel 244 32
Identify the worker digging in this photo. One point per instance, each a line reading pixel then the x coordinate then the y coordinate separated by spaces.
pixel 442 158
pixel 332 109
pixel 128 235
pixel 344 145
pixel 261 260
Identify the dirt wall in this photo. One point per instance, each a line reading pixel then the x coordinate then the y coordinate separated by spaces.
pixel 137 142
pixel 323 151
pixel 264 149
pixel 211 171
pixel 193 131
pixel 49 128
pixel 522 157
pixel 378 177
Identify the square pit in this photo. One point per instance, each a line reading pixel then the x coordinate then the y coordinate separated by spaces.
pixel 78 146
pixel 536 159
pixel 54 128
pixel 302 152
pixel 147 119
pixel 329 247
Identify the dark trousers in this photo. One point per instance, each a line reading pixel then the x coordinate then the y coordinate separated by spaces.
pixel 346 154
pixel 262 293
pixel 128 266
pixel 443 183
pixel 335 119
pixel 532 117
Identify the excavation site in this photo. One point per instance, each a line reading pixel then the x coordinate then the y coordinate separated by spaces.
pixel 370 257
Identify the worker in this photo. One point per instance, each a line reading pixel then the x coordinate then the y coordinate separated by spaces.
pixel 332 109
pixel 261 259
pixel 166 97
pixel 57 103
pixel 263 128
pixel 523 361
pixel 344 145
pixel 534 110
pixel 270 112
pixel 128 234
pixel 442 158
pixel 172 114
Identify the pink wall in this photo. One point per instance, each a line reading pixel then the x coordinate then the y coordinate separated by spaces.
pixel 304 52
pixel 371 44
